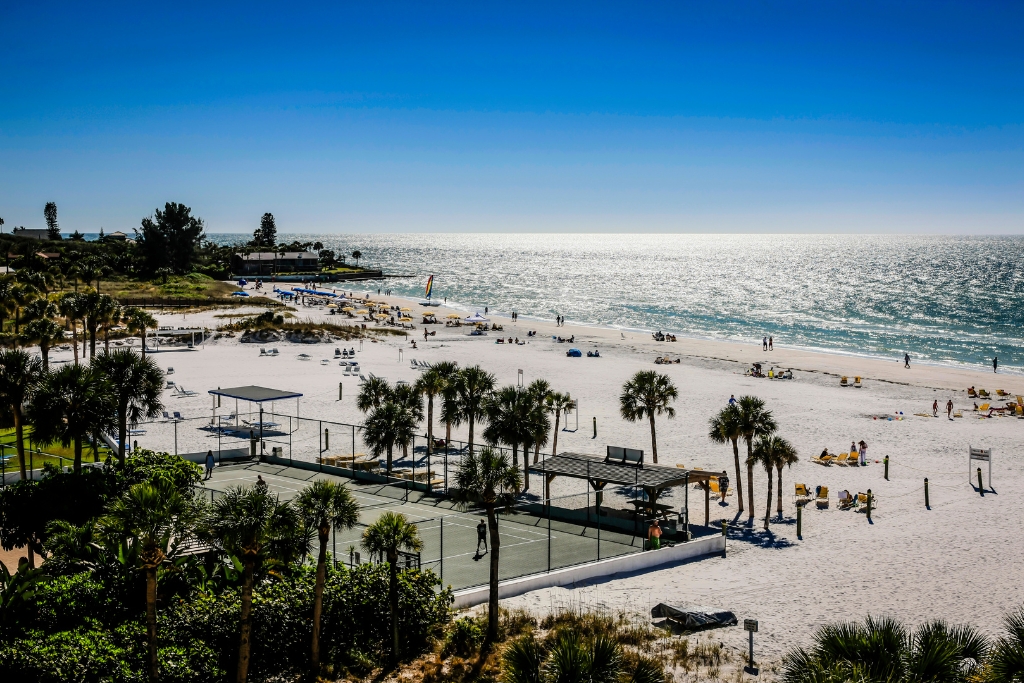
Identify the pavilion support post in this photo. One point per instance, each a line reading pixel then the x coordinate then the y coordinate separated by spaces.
pixel 707 502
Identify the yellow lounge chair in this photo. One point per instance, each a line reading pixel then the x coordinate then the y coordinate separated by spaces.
pixel 971 393
pixel 843 381
pixel 824 459
pixel 802 496
pixel 1000 392
pixel 983 394
pixel 854 459
pixel 1020 400
pixel 822 500
pixel 842 458
pixel 856 382
pixel 1019 409
pixel 983 407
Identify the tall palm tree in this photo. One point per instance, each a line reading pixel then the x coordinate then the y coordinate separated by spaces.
pixel 755 421
pixel 648 394
pixel 725 427
pixel 389 425
pixel 883 651
pixel 150 522
pixel 73 307
pixel 323 506
pixel 430 384
pixel 448 371
pixel 559 404
pixel 488 479
pixel 112 315
pixel 101 308
pixel 138 321
pixel 374 393
pixel 770 451
pixel 539 391
pixel 786 457
pixel 508 414
pixel 45 332
pixel 1006 662
pixel 253 525
pixel 20 374
pixel 472 386
pixel 7 284
pixel 136 386
pixel 409 398
pixel 391 533
pixel 21 294
pixel 70 405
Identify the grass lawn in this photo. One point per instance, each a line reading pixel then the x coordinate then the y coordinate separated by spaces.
pixel 41 454
pixel 192 286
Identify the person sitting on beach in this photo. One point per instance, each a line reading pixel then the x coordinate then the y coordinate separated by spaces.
pixel 732 399
pixel 824 452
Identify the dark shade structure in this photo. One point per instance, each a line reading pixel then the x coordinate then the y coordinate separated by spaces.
pixel 255 394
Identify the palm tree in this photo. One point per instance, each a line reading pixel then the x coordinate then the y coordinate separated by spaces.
pixel 73 307
pixel 448 370
pixel 150 522
pixel 882 650
pixel 46 333
pixel 138 321
pixel 136 386
pixel 472 386
pixel 19 376
pixel 539 390
pixel 69 405
pixel 648 394
pixel 386 426
pixel 725 428
pixel 558 404
pixel 409 398
pixel 101 308
pixel 786 457
pixel 21 294
pixel 357 255
pixel 391 533
pixel 1006 663
pixel 771 451
pixel 488 479
pixel 374 393
pixel 755 421
pixel 324 505
pixel 112 315
pixel 251 524
pixel 7 284
pixel 507 411
pixel 431 383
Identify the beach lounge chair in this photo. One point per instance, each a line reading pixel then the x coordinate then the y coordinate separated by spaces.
pixel 983 407
pixel 274 352
pixel 170 371
pixel 1000 392
pixel 983 394
pixel 263 352
pixel 845 500
pixel 362 378
pixel 824 459
pixel 842 459
pixel 325 361
pixel 971 393
pixel 821 501
pixel 182 391
pixel 856 382
pixel 170 385
pixel 843 382
pixel 166 416
pixel 854 459
pixel 862 501
pixel 177 415
pixel 801 495
pixel 1019 410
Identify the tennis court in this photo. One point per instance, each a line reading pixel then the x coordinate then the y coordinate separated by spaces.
pixel 530 543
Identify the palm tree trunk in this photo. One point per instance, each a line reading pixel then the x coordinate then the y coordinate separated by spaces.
pixel 143 343
pixel 526 467
pixel 389 460
pixel 739 480
pixel 779 509
pixel 471 434
pixel 318 602
pixel 430 429
pixel 447 433
pixel 554 439
pixel 393 603
pixel 78 455
pixel 92 341
pixel 74 338
pixel 106 340
pixel 492 599
pixel 122 431
pixel 154 662
pixel 654 442
pixel 19 434
pixel 245 623
pixel 750 478
pixel 768 507
pixel 44 351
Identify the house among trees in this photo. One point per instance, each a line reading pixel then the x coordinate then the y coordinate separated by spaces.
pixel 273 262
pixel 31 234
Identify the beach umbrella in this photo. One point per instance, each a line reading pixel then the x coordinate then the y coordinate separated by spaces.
pixel 453 315
pixel 348 308
pixel 362 311
pixel 405 309
pixel 381 316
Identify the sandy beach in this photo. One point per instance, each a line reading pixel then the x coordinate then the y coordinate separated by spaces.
pixel 908 561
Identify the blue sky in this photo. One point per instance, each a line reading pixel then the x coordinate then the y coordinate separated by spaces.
pixel 624 117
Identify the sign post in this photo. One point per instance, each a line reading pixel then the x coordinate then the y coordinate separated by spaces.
pixel 750 626
pixel 982 455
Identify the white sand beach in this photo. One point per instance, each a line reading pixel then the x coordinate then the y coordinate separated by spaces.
pixel 956 561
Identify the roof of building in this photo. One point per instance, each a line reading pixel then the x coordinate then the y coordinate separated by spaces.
pixel 255 394
pixel 276 255
pixel 582 466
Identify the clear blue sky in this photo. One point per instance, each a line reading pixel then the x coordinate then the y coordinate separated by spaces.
pixel 678 116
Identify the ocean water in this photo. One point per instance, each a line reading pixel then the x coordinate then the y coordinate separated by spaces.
pixel 943 299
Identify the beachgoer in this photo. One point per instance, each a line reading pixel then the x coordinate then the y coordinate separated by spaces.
pixel 995 364
pixel 654 535
pixel 863 453
pixel 260 484
pixel 481 536
pixel 723 484
pixel 209 464
pixel 949 409
pixel 764 343
pixel 824 452
pixel 770 342
pixel 485 309
pixel 853 446
pixel 935 408
pixel 906 360
pixel 732 399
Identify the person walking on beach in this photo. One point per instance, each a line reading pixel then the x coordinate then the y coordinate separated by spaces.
pixel 209 464
pixel 261 485
pixel 995 364
pixel 906 360
pixel 481 536
pixel 863 453
pixel 935 408
pixel 764 343
pixel 949 409
pixel 770 347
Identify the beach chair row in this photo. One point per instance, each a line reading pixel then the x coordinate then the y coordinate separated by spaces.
pixel 844 381
pixel 271 352
pixel 851 459
pixel 820 496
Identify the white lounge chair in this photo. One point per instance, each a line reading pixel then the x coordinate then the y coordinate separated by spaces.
pixel 362 378
pixel 274 352
pixel 170 371
pixel 182 391
pixel 177 415
pixel 263 352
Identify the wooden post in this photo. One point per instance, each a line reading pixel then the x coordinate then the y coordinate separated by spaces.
pixel 725 535
pixel 868 510
pixel 339 391
pixel 926 505
pixel 595 426
pixel 327 440
pixel 887 468
pixel 799 521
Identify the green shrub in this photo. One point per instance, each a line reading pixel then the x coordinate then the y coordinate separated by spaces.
pixel 463 638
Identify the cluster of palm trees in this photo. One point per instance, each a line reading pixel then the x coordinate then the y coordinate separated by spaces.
pixel 153 522
pixel 76 402
pixel 749 419
pixel 516 416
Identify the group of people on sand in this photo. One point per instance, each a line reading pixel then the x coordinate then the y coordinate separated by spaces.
pixel 858 447
pixel 768 343
pixel 949 408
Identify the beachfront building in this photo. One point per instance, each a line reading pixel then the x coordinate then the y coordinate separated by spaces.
pixel 273 262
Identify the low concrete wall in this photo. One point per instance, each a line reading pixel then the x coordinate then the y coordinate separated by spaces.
pixel 637 562
pixel 358 475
